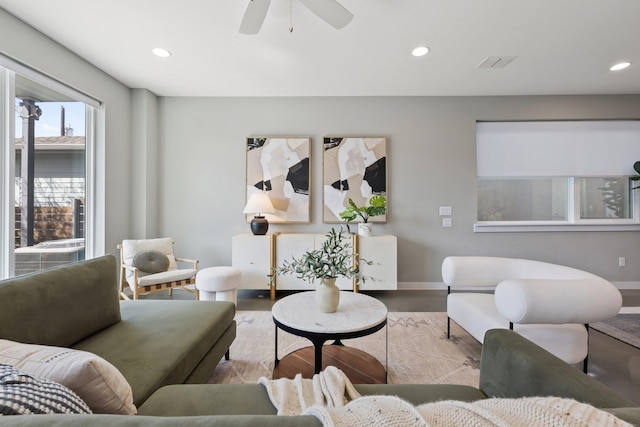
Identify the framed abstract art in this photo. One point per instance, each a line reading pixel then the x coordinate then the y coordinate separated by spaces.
pixel 279 167
pixel 353 168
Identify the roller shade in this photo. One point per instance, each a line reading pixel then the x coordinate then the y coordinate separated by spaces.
pixel 49 82
pixel 557 148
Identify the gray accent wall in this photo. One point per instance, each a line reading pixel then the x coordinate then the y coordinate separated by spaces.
pixel 172 166
pixel 431 163
pixel 112 154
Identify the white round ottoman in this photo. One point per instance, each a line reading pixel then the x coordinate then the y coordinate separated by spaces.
pixel 218 284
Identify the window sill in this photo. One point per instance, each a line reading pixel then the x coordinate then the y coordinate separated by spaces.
pixel 524 227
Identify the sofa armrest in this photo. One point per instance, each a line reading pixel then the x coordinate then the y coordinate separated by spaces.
pixel 512 366
pixel 557 301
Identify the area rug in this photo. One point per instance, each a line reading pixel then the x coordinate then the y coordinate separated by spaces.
pixel 418 350
pixel 623 327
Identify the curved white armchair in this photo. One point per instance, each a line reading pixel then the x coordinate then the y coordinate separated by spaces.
pixel 548 304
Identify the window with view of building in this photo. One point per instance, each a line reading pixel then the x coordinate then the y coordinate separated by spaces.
pixel 536 175
pixel 45 157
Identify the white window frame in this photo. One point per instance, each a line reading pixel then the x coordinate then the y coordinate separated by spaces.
pixel 7 168
pixel 8 69
pixel 573 221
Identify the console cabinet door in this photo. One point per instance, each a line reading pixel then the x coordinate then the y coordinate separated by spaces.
pixel 295 245
pixel 288 246
pixel 252 255
pixel 382 250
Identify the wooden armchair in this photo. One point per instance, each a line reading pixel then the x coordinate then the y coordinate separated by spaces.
pixel 150 265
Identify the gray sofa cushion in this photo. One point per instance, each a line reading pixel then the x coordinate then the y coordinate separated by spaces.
pixel 151 262
pixel 252 399
pixel 143 421
pixel 62 305
pixel 158 343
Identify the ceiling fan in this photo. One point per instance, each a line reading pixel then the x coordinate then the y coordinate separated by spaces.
pixel 330 11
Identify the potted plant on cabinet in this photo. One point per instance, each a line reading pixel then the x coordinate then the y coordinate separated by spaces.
pixel 334 259
pixel 377 206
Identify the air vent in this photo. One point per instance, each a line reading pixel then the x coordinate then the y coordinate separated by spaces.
pixel 496 61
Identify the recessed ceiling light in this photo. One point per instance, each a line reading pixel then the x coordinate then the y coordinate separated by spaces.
pixel 620 66
pixel 162 53
pixel 420 51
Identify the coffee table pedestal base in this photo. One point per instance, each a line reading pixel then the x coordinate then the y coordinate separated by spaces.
pixel 359 366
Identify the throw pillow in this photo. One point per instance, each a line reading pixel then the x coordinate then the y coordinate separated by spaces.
pixel 21 393
pixel 95 380
pixel 151 262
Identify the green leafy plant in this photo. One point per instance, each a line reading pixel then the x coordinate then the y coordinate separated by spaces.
pixel 377 206
pixel 334 259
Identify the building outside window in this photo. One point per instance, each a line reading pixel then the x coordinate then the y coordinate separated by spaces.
pixel 557 175
pixel 45 157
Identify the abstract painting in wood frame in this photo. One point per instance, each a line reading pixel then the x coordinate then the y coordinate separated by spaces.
pixel 279 166
pixel 353 168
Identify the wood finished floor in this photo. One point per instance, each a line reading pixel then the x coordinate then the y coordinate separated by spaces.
pixel 611 362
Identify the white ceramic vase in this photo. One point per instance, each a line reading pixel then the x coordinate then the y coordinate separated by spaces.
pixel 328 295
pixel 365 228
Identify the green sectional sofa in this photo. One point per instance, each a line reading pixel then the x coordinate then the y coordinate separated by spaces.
pixel 152 343
pixel 511 366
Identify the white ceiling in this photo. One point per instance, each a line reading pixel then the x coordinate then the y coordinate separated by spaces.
pixel 562 46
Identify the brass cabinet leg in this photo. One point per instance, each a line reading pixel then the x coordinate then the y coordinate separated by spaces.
pixel 272 268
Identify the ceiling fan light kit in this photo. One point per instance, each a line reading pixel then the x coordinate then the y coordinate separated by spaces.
pixel 330 11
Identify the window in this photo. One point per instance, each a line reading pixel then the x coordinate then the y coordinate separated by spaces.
pixel 556 175
pixel 46 133
pixel 522 199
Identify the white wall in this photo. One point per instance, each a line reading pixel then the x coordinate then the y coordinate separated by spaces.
pixel 22 43
pixel 431 163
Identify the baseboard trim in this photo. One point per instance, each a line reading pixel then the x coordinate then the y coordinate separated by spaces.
pixel 434 286
pixel 627 285
pixel 425 286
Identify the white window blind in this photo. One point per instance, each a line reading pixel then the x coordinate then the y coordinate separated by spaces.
pixel 557 148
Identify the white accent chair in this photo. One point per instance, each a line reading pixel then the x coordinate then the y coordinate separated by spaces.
pixel 551 305
pixel 132 274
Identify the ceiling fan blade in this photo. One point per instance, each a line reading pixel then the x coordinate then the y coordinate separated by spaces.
pixel 254 16
pixel 330 11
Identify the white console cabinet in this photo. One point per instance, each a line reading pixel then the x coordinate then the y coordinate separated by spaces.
pixel 258 256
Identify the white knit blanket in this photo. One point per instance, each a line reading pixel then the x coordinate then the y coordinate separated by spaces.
pixel 330 388
pixel 330 397
pixel 388 411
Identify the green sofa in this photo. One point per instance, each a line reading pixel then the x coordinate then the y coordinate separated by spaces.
pixel 152 343
pixel 511 366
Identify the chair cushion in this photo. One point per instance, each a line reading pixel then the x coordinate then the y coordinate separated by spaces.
pixel 167 276
pixel 91 377
pixel 475 312
pixel 21 394
pixel 151 261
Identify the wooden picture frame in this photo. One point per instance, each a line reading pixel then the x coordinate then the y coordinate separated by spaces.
pixel 352 167
pixel 280 167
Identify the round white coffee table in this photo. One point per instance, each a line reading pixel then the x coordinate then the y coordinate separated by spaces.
pixel 358 315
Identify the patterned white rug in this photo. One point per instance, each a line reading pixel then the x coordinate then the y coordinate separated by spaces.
pixel 418 350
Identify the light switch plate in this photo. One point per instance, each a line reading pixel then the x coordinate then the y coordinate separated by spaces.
pixel 447 222
pixel 446 210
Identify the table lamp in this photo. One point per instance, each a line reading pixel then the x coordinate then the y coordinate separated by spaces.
pixel 258 204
